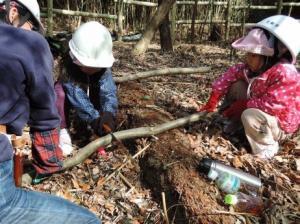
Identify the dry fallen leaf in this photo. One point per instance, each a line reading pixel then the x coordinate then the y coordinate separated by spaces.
pixel 65 194
pixel 88 161
pixel 109 207
pixel 100 181
pixel 237 162
pixel 84 186
pixel 75 183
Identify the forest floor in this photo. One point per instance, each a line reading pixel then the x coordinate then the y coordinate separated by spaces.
pixel 169 164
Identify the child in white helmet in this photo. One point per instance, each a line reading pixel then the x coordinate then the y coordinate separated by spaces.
pixel 27 97
pixel 87 80
pixel 263 93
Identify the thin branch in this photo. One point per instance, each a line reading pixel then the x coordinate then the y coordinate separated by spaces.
pixel 165 71
pixel 126 181
pixel 165 207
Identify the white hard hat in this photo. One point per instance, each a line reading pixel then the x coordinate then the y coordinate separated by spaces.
pixel 33 7
pixel 91 44
pixel 286 29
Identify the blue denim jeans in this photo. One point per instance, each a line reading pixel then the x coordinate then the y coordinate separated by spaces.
pixel 19 206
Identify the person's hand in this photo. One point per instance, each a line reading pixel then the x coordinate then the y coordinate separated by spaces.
pixel 236 109
pixel 107 122
pixel 211 104
pixel 104 124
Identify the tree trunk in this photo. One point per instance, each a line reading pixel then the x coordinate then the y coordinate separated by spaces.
pixel 165 33
pixel 193 22
pixel 120 6
pixel 161 12
pixel 279 6
pixel 50 18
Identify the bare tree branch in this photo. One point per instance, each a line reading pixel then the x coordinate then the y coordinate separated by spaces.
pixel 89 149
pixel 165 71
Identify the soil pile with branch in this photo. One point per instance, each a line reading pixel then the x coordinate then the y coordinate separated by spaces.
pixel 154 179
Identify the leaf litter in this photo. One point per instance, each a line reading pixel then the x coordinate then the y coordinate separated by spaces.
pixel 126 198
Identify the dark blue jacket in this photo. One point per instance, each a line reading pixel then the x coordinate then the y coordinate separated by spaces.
pixel 26 83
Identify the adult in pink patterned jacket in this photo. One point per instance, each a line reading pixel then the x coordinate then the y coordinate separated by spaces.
pixel 264 91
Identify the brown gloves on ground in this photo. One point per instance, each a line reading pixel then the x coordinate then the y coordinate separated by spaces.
pixel 104 124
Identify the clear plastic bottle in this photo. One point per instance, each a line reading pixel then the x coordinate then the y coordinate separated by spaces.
pixel 228 183
pixel 228 179
pixel 245 203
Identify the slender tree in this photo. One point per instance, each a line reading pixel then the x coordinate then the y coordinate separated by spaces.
pixel 161 12
pixel 165 33
pixel 194 15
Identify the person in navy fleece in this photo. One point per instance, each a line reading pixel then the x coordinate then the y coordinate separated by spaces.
pixel 27 97
pixel 26 84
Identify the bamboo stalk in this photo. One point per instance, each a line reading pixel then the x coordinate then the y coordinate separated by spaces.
pixel 228 18
pixel 173 22
pixel 211 15
pixel 165 207
pixel 291 4
pixel 198 21
pixel 120 8
pixel 279 6
pixel 194 15
pixel 149 4
pixel 80 13
pixel 193 2
pixel 243 22
pixel 219 22
pixel 290 10
pixel 50 18
pixel 222 3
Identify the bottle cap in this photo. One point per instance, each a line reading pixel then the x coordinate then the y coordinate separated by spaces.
pixel 230 199
pixel 204 165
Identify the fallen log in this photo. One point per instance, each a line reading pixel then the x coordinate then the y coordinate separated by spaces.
pixel 165 71
pixel 141 132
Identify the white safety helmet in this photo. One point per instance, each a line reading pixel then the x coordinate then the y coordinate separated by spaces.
pixel 33 7
pixel 91 45
pixel 286 29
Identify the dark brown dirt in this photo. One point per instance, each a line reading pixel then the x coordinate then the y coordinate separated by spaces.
pixel 170 166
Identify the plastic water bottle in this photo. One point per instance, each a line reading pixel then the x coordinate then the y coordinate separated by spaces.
pixel 245 203
pixel 228 179
pixel 226 182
